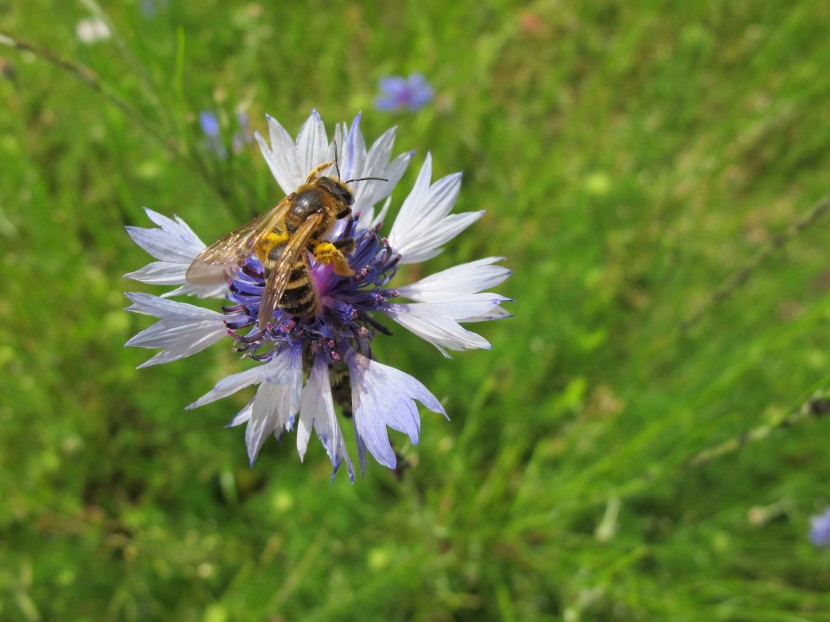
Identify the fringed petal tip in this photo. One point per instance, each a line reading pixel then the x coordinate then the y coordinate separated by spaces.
pixel 382 397
pixel 349 468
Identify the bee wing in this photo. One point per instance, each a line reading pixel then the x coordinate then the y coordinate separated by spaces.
pixel 278 271
pixel 222 259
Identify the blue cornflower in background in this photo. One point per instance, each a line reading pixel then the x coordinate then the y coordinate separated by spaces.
pixel 209 124
pixel 243 136
pixel 212 131
pixel 302 359
pixel 412 93
pixel 151 8
pixel 820 528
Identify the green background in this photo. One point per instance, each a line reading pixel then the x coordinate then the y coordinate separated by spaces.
pixel 644 165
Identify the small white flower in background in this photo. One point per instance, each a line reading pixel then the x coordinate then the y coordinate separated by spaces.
pixel 91 30
pixel 307 364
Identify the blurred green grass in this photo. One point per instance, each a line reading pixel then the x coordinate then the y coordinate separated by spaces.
pixel 630 156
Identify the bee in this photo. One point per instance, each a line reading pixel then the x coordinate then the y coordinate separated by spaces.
pixel 282 239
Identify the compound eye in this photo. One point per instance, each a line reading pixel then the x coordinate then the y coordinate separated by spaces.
pixel 347 197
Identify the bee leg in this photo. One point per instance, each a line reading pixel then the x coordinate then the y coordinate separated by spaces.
pixel 328 253
pixel 345 246
pixel 316 172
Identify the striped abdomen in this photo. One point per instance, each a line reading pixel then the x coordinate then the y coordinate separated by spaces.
pixel 299 297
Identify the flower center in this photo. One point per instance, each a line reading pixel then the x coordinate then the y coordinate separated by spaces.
pixel 343 318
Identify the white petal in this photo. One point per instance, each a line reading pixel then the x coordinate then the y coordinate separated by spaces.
pixel 368 219
pixel 312 145
pixel 315 402
pixel 353 152
pixel 266 417
pixel 317 412
pixel 437 323
pixel 426 242
pixel 291 162
pixel 408 216
pixel 243 416
pixel 341 130
pixel 183 329
pixel 202 291
pixel 176 246
pixel 276 371
pixel 173 242
pixel 468 278
pixel 281 156
pixel 424 222
pixel 163 273
pixel 169 309
pixel 160 273
pixel 373 191
pixel 380 153
pixel 384 396
pixel 461 307
pixel 496 313
pixel 275 405
pixel 357 163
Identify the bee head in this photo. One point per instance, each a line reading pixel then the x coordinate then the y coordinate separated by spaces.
pixel 337 189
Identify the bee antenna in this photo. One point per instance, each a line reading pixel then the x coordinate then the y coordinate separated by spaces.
pixel 336 164
pixel 365 178
pixel 337 168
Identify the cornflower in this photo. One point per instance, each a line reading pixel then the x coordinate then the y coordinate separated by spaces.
pixel 398 93
pixel 306 364
pixel 820 528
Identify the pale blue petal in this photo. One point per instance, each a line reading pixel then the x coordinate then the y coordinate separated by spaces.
pixel 183 329
pixel 312 145
pixel 243 416
pixel 424 222
pixel 384 396
pixel 468 278
pixel 169 309
pixel 176 246
pixel 276 368
pixel 173 241
pixel 275 405
pixel 353 153
pixel 434 323
pixel 426 243
pixel 408 216
pixel 317 412
pixel 281 156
